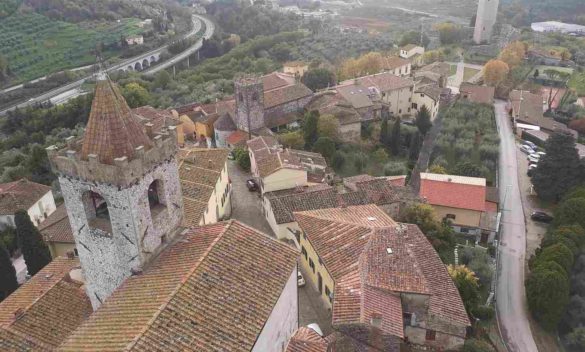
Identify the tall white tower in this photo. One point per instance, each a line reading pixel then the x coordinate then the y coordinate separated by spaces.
pixel 487 12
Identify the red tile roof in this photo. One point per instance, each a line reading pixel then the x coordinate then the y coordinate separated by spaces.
pixel 453 195
pixel 57 228
pixel 238 138
pixel 113 131
pixel 21 194
pixel 213 289
pixel 306 340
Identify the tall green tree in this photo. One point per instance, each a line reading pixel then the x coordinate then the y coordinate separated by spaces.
pixel 466 168
pixel 318 78
pixel 35 251
pixel 559 170
pixel 384 140
pixel 395 138
pixel 423 120
pixel 135 95
pixel 325 146
pixel 414 147
pixel 8 282
pixel 571 211
pixel 311 128
pixel 547 293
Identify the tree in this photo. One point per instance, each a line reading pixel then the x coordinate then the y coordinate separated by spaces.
pixel 513 54
pixel 414 147
pixel 423 120
pixel 310 128
pixel 467 168
pixel 475 345
pixel 536 73
pixel 395 139
pixel 8 282
pixel 547 293
pixel 495 72
pixel 413 37
pixel 467 284
pixel 292 140
pixel 35 251
pixel 571 211
pixel 318 79
pixel 325 146
pixel 576 339
pixel 438 169
pixel 449 33
pixel 384 140
pixel 565 54
pixel 163 78
pixel 135 95
pixel 328 126
pixel 380 156
pixel 559 170
pixel 242 158
pixel 337 161
pixel 558 253
pixel 4 68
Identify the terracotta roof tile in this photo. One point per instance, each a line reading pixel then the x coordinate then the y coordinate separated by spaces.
pixel 199 172
pixel 279 96
pixel 21 194
pixel 225 123
pixel 213 289
pixel 113 131
pixel 453 194
pixel 159 118
pixel 306 340
pixel 238 138
pixel 393 62
pixel 56 228
pixel 478 94
pixel 13 341
pixel 277 80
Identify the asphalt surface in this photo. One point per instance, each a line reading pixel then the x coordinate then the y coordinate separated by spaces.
pixel 197 23
pixel 510 295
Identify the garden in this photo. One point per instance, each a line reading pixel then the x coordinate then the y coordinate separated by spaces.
pixel 468 142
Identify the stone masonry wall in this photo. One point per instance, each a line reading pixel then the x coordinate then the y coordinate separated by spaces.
pixel 284 109
pixel 108 259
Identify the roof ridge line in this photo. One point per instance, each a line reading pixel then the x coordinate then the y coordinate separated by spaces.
pixel 180 285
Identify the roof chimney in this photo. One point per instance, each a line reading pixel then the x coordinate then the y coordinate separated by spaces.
pixel 210 163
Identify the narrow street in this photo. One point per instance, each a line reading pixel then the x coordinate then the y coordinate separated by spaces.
pixel 510 296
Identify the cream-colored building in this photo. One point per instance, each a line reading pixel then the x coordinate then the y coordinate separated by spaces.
pixel 295 68
pixel 205 184
pixel 57 233
pixel 459 199
pixel 35 198
pixel 429 96
pixel 397 66
pixel 414 53
pixel 375 273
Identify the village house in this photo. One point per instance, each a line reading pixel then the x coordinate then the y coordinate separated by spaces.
pixel 392 281
pixel 35 198
pixel 295 68
pixel 414 53
pixel 205 184
pixel 397 66
pixel 427 95
pixel 331 102
pixel 57 233
pixel 477 94
pixel 527 112
pixel 155 120
pixel 219 286
pixel 463 201
pixel 437 72
pixel 135 40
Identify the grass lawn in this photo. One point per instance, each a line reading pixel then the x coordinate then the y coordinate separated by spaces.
pixel 468 73
pixel 577 82
pixel 36 45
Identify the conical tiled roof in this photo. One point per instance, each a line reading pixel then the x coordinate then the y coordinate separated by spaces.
pixel 112 130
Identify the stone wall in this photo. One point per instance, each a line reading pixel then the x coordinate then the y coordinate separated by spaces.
pixel 249 95
pixel 137 232
pixel 278 111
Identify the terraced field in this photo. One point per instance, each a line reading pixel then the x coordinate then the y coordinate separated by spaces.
pixel 36 45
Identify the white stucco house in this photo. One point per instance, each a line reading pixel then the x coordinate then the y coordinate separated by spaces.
pixel 35 198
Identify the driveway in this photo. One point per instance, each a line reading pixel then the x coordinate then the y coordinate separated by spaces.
pixel 510 296
pixel 246 205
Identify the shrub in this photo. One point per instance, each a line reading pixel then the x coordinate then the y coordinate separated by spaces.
pixel 483 312
pixel 547 293
pixel 475 345
pixel 558 253
pixel 394 168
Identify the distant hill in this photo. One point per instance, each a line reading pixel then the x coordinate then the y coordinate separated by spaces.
pixel 564 10
pixel 83 10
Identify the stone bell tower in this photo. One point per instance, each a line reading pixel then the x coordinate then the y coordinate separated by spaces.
pixel 249 92
pixel 121 189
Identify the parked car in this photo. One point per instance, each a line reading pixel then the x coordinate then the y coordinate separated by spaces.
pixel 541 154
pixel 300 279
pixel 316 328
pixel 530 144
pixel 252 185
pixel 527 149
pixel 541 216
pixel 531 169
pixel 533 159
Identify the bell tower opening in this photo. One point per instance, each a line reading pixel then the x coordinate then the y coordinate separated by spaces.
pixel 156 198
pixel 96 212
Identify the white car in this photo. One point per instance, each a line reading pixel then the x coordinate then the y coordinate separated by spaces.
pixel 533 160
pixel 530 144
pixel 532 166
pixel 300 279
pixel 541 154
pixel 526 149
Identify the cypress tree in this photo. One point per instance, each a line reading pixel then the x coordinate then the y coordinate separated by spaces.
pixel 414 147
pixel 384 133
pixel 395 139
pixel 423 120
pixel 8 282
pixel 35 251
pixel 310 128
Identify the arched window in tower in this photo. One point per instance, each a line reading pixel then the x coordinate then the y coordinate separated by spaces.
pixel 240 97
pixel 156 198
pixel 255 96
pixel 96 212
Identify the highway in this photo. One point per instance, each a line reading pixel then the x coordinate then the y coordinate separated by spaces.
pixel 197 23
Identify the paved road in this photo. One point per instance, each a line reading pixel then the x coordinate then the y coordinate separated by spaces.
pixel 197 23
pixel 510 297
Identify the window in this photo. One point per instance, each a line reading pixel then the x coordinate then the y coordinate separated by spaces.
pixel 408 109
pixel 422 95
pixel 400 111
pixel 431 335
pixel 241 97
pixel 312 265
pixel 464 230
pixel 304 252
pixel 328 293
pixel 415 106
pixel 255 96
pixel 76 252
pixel 96 211
pixel 407 318
pixel 450 216
pixel 156 198
pixel 409 100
